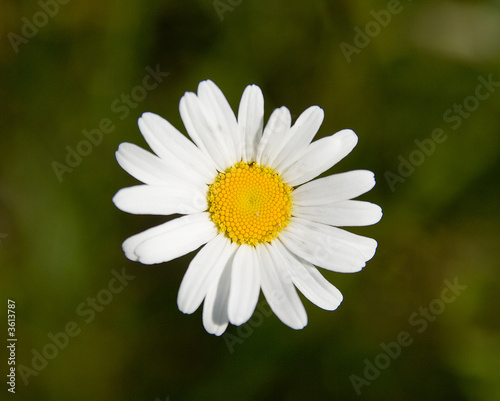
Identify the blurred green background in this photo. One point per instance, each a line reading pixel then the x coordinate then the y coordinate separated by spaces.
pixel 61 237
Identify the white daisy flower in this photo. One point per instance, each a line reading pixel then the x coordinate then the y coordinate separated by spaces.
pixel 246 194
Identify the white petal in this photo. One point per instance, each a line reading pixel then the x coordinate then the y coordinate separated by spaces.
pixel 205 269
pixel 364 245
pixel 203 129
pixel 274 137
pixel 245 285
pixel 278 288
pixel 334 188
pixel 143 165
pixel 161 200
pixel 168 143
pixel 215 319
pixel 319 157
pixel 310 282
pixel 251 120
pixel 214 101
pixel 300 136
pixel 346 213
pixel 131 243
pixel 175 238
pixel 329 247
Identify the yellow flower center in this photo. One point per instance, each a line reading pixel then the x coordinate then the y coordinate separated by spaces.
pixel 250 203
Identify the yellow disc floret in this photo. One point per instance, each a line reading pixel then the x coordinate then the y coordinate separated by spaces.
pixel 249 203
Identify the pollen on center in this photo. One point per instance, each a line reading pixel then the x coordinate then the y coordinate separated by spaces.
pixel 249 203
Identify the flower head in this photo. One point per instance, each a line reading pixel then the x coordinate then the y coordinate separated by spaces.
pixel 246 194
